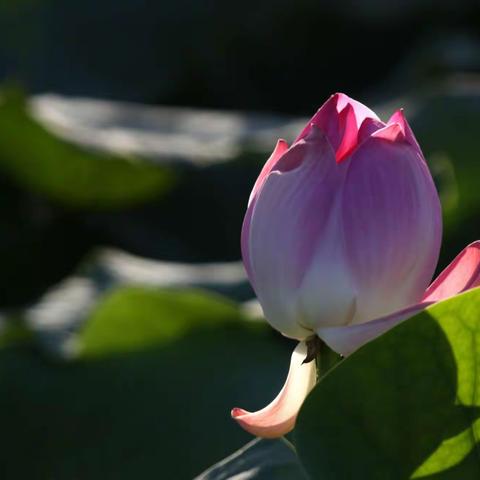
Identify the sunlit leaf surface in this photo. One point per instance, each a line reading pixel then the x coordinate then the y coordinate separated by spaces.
pixel 404 406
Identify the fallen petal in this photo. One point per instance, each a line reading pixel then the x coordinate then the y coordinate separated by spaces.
pixel 278 418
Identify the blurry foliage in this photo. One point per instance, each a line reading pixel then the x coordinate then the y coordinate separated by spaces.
pixel 101 336
pixel 59 201
pixel 64 172
pixel 14 332
pixel 199 220
pixel 148 395
pixel 261 459
pixel 46 186
pixel 446 125
pixel 39 244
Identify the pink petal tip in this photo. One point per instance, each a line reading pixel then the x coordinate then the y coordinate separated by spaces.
pixel 461 275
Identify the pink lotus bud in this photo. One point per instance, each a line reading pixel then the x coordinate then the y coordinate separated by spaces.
pixel 340 239
pixel 345 225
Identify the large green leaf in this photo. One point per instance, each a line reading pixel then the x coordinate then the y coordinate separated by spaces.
pixel 40 161
pixel 259 460
pixel 407 405
pixel 149 395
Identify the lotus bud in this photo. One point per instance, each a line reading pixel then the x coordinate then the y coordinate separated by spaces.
pixel 344 226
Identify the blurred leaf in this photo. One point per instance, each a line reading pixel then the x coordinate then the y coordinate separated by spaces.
pixel 42 162
pixel 213 199
pixel 446 125
pixel 14 332
pixel 179 311
pixel 150 395
pixel 406 405
pixel 39 244
pixel 435 126
pixel 261 459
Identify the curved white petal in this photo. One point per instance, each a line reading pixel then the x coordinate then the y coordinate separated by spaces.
pixel 278 418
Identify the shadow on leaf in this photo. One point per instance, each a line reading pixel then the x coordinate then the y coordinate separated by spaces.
pixel 391 410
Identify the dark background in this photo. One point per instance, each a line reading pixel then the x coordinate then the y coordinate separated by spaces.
pixel 280 56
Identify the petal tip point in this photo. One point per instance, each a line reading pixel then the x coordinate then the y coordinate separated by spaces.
pixel 237 412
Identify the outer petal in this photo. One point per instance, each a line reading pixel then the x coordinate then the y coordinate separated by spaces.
pixel 348 124
pixel 277 153
pixel 462 274
pixel 399 118
pixel 345 340
pixel 392 221
pixel 290 220
pixel 244 239
pixel 278 418
pixel 280 148
pixel 326 119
